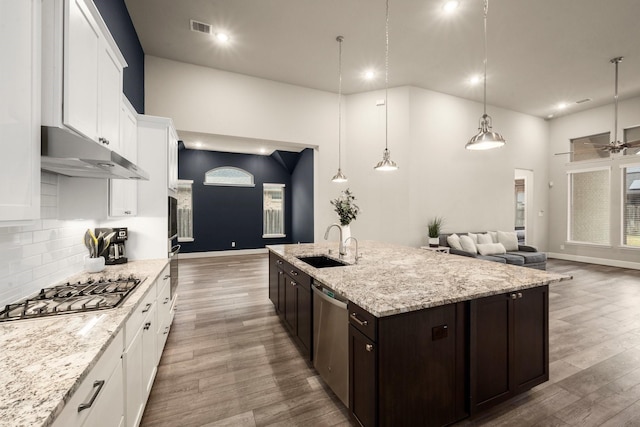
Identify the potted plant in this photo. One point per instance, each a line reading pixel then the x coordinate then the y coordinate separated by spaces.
pixel 347 211
pixel 435 226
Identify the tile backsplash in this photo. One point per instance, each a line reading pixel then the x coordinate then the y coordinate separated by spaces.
pixel 42 253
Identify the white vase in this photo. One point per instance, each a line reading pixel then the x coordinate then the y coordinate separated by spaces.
pixel 434 242
pixel 346 233
pixel 93 265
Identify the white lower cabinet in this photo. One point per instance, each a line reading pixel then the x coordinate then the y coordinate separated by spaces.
pixel 98 400
pixel 115 392
pixel 165 313
pixel 140 362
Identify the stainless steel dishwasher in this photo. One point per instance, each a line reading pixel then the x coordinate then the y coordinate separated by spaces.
pixel 331 340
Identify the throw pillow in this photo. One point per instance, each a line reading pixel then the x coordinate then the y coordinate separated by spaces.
pixel 474 237
pixel 509 240
pixel 491 249
pixel 484 239
pixel 467 244
pixel 454 241
pixel 494 236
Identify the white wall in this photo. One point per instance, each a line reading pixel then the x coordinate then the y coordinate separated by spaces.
pixel 589 122
pixel 437 176
pixel 427 134
pixel 42 253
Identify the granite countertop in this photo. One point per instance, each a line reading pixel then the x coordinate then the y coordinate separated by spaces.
pixel 391 279
pixel 43 361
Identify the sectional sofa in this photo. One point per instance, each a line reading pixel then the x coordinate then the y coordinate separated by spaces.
pixel 497 246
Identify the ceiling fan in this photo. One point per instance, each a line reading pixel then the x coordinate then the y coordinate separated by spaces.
pixel 614 146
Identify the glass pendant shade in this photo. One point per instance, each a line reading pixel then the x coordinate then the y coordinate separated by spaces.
pixel 386 164
pixel 486 138
pixel 339 177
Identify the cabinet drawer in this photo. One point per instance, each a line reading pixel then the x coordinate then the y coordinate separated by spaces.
pixel 139 314
pixel 93 387
pixel 163 280
pixel 298 275
pixel 363 321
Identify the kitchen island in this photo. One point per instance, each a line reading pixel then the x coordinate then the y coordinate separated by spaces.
pixel 44 361
pixel 433 337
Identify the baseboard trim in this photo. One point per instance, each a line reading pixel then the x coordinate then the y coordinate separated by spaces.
pixel 593 260
pixel 210 254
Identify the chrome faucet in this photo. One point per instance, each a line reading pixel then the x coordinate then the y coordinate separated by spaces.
pixel 355 240
pixel 341 249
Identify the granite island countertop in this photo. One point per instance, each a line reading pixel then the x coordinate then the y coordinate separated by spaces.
pixel 391 279
pixel 43 361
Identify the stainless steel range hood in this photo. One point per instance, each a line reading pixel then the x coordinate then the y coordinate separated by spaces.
pixel 66 153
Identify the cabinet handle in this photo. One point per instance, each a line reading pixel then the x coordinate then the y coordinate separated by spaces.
pixel 519 294
pixel 293 283
pixel 97 385
pixel 166 300
pixel 280 273
pixel 166 330
pixel 368 347
pixel 166 276
pixel 127 212
pixel 354 316
pixel 147 326
pixel 514 296
pixel 279 262
pixel 294 273
pixel 146 308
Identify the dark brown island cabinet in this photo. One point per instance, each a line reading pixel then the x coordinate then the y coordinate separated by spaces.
pixel 430 367
pixel 290 292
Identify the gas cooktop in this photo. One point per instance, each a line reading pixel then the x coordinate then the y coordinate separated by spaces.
pixel 72 298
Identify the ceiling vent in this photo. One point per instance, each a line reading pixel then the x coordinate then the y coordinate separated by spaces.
pixel 200 27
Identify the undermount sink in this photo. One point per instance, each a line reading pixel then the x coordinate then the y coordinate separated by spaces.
pixel 321 261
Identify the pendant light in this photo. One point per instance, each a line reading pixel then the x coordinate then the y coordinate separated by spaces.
pixel 339 177
pixel 386 164
pixel 486 138
pixel 616 146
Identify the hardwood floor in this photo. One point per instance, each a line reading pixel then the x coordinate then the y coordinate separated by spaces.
pixel 230 362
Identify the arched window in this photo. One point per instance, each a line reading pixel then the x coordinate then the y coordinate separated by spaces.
pixel 229 176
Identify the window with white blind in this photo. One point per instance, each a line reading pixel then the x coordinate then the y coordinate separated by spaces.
pixel 185 211
pixel 631 206
pixel 273 210
pixel 589 206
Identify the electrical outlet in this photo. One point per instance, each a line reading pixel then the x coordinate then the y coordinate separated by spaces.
pixel 233 244
pixel 562 247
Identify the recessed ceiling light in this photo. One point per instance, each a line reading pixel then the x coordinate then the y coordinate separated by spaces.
pixel 222 37
pixel 263 150
pixel 562 106
pixel 450 6
pixel 550 116
pixel 369 74
pixel 474 80
pixel 198 144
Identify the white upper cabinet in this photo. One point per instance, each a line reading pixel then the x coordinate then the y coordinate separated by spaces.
pixel 82 72
pixel 20 110
pixel 81 55
pixel 172 156
pixel 123 193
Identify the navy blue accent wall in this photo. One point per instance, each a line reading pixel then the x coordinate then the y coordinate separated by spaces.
pixel 116 16
pixel 302 198
pixel 222 215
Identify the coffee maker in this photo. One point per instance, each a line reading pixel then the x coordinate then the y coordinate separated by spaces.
pixel 115 252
